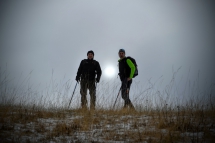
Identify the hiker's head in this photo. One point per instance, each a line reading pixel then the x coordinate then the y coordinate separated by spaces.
pixel 90 54
pixel 121 53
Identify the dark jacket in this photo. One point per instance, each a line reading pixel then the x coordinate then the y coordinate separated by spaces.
pixel 126 68
pixel 88 69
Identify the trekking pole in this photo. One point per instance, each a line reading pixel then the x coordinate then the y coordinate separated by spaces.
pixel 72 94
pixel 116 98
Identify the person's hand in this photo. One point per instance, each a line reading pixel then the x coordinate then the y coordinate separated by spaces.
pixel 77 79
pixel 128 78
pixel 97 80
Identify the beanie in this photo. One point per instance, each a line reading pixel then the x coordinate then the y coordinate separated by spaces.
pixel 122 50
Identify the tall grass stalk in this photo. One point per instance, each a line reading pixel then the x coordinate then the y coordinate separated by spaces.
pixel 161 116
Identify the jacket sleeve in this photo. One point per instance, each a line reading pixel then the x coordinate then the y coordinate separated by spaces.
pixel 132 66
pixel 98 70
pixel 80 69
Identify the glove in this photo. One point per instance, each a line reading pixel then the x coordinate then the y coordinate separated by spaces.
pixel 77 78
pixel 97 80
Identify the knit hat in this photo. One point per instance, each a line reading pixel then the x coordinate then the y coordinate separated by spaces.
pixel 122 50
pixel 90 52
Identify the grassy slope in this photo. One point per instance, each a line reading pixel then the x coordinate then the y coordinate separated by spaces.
pixel 180 124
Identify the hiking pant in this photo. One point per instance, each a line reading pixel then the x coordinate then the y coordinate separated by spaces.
pixel 88 84
pixel 125 88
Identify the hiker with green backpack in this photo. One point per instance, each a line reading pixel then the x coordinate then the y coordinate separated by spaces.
pixel 127 71
pixel 89 73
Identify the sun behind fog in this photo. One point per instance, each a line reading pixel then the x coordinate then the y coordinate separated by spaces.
pixel 109 71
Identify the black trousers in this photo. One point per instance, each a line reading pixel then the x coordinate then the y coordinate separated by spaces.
pixel 88 84
pixel 125 88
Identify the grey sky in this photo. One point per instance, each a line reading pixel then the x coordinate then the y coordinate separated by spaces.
pixel 44 35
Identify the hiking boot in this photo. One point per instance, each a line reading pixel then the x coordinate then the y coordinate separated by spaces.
pixel 84 107
pixel 131 106
pixel 125 105
pixel 92 108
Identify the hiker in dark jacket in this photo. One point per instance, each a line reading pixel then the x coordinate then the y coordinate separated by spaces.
pixel 88 73
pixel 126 73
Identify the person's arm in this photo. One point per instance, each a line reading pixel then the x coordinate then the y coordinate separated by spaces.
pixel 132 66
pixel 79 71
pixel 98 71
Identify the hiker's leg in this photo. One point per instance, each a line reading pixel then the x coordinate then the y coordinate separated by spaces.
pixel 92 89
pixel 83 92
pixel 128 91
pixel 124 92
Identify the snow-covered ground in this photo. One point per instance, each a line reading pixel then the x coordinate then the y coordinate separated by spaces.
pixel 88 126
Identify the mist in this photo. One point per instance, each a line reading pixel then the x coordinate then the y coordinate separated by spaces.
pixel 45 41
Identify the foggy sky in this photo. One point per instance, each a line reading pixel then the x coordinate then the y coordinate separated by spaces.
pixel 45 36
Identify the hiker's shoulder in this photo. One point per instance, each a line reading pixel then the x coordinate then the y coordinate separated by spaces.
pixel 83 61
pixel 128 57
pixel 130 60
pixel 95 61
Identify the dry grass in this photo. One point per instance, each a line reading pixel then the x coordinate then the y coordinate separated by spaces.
pixel 24 124
pixel 164 121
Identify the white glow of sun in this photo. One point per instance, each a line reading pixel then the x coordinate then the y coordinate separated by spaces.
pixel 109 71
